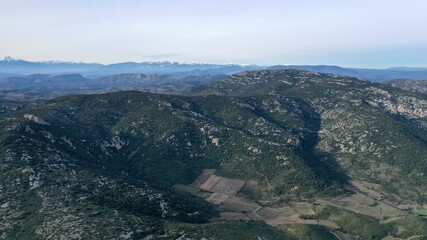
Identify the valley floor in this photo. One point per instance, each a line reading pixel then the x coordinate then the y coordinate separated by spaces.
pixel 235 205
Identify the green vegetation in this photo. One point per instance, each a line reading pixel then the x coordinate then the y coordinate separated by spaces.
pixel 249 230
pixel 104 165
pixel 422 212
pixel 355 224
pixel 302 232
pixel 367 130
pixel 410 226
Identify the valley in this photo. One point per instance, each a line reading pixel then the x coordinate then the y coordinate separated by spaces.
pixel 269 154
pixel 213 120
pixel 234 205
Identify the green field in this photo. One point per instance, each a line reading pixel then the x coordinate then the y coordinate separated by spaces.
pixel 422 212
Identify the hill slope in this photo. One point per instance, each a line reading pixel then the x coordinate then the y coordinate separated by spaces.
pixel 369 129
pixel 120 153
pixel 305 144
pixel 410 85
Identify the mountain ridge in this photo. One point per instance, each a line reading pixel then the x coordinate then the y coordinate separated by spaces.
pixel 319 153
pixel 409 85
pixel 19 66
pixel 46 86
pixel 93 70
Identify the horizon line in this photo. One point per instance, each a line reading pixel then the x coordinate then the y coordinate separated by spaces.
pixel 11 59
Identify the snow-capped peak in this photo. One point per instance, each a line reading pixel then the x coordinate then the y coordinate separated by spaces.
pixel 10 59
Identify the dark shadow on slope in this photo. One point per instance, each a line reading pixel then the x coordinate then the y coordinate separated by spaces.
pixel 323 164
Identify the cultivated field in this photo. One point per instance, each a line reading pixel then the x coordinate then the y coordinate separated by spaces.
pixel 235 205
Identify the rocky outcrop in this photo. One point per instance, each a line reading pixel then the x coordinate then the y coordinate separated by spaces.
pixel 35 119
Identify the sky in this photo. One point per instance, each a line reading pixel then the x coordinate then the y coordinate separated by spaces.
pixel 349 33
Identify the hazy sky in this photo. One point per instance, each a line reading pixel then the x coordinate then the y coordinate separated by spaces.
pixel 358 33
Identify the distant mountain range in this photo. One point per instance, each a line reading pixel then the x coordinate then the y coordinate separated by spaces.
pixel 42 86
pixel 11 67
pixel 374 75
